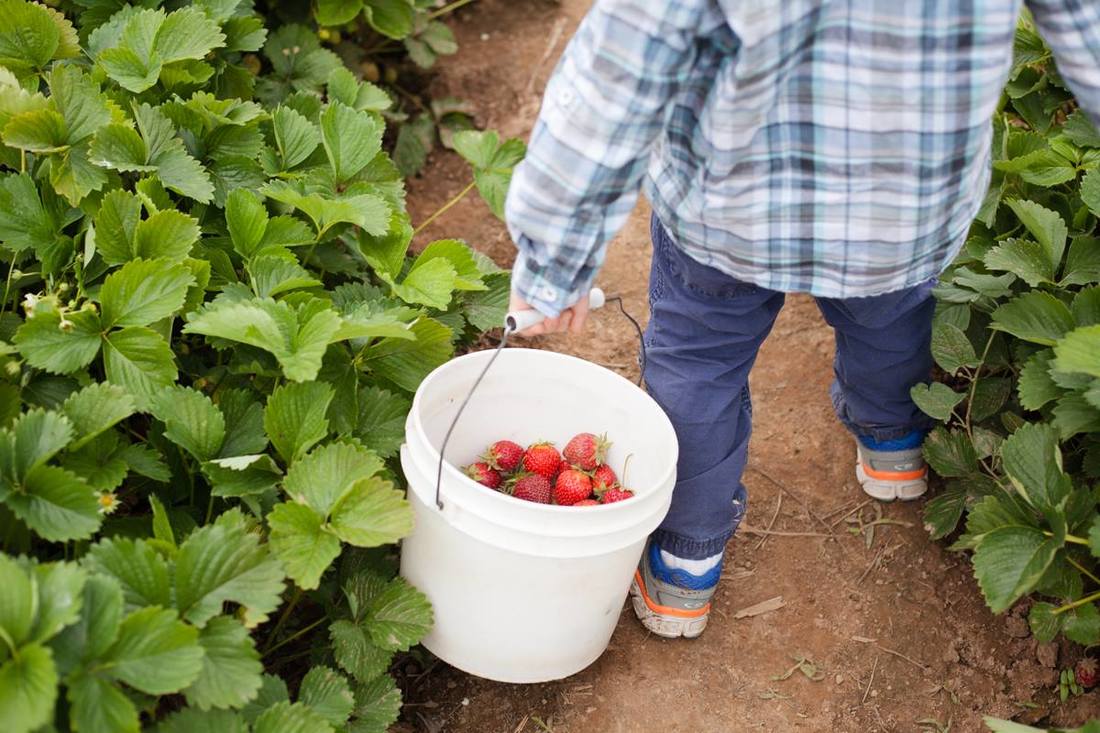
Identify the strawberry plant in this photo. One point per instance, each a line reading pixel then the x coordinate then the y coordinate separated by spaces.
pixel 1017 337
pixel 210 324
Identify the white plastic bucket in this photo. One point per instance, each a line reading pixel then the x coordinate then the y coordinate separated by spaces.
pixel 527 592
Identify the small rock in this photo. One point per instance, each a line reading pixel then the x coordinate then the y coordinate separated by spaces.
pixel 451 684
pixel 1047 654
pixel 1017 627
pixel 485 36
pixel 839 679
pixel 874 693
pixel 465 701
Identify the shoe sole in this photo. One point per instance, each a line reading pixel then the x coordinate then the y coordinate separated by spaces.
pixel 668 627
pixel 890 490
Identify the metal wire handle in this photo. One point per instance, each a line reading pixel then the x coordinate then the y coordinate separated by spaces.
pixel 511 325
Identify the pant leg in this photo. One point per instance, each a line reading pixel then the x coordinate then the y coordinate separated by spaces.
pixel 704 332
pixel 882 350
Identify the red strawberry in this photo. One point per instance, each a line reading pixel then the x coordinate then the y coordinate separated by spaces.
pixel 604 476
pixel 572 486
pixel 587 502
pixel 504 455
pixel 615 493
pixel 586 451
pixel 1087 673
pixel 483 474
pixel 532 487
pixel 543 459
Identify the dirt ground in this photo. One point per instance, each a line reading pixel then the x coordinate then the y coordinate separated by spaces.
pixel 890 627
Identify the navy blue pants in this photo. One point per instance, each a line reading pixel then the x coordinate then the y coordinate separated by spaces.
pixel 704 331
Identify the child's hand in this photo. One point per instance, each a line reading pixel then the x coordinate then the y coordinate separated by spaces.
pixel 570 319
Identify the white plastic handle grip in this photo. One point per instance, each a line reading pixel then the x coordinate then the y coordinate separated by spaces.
pixel 522 320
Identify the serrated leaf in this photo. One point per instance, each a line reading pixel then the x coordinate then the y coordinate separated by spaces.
pixel 98 704
pixel 1025 258
pixel 273 275
pixel 155 652
pixel 300 542
pixel 356 653
pixel 1086 307
pixel 28 686
pixel 94 409
pixel 1090 191
pixel 365 210
pixel 166 234
pixel 142 573
pixel 17 603
pixel 381 421
pixel 328 694
pixel 361 95
pixel 231 668
pixel 285 717
pixel 32 36
pixel 143 292
pixel 25 221
pixel 223 562
pixel 1035 316
pixel 990 395
pixel 393 18
pixel 322 477
pixel 406 363
pixel 338 12
pixel 378 705
pixel 936 399
pixel 37 436
pixel 1074 414
pixel 1035 385
pixel 46 345
pixel 371 513
pixel 1044 624
pixel 244 423
pixel 1079 351
pixel 1040 167
pixel 943 512
pixel 191 420
pixel 351 139
pixel 1082 625
pixel 1009 562
pixel 1033 463
pixel 140 361
pixel 57 504
pixel 430 283
pixel 192 720
pixel 246 218
pixel 60 588
pixel 1045 225
pixel 950 454
pixel 294 419
pixel 295 136
pixel 399 617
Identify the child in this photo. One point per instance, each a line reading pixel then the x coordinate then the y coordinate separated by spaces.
pixel 835 147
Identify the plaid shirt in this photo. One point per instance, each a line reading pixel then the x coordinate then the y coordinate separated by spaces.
pixel 837 147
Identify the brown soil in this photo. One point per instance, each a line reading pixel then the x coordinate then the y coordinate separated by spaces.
pixel 893 624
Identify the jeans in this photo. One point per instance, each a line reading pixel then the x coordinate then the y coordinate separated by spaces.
pixel 704 332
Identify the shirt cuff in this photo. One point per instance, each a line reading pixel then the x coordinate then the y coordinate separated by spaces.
pixel 531 282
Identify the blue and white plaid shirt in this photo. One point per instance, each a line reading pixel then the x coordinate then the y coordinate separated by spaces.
pixel 837 147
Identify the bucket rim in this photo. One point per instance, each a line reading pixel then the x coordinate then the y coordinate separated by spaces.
pixel 453 471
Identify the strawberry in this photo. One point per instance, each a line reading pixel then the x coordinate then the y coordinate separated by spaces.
pixel 587 502
pixel 604 476
pixel 572 486
pixel 504 455
pixel 1087 673
pixel 586 451
pixel 532 487
pixel 483 474
pixel 543 459
pixel 614 494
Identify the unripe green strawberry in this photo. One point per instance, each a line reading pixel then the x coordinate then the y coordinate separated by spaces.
pixel 572 486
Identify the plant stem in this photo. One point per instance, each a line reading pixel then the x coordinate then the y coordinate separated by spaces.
pixel 1084 571
pixel 974 386
pixel 7 286
pixel 1070 538
pixel 1079 602
pixel 458 197
pixel 450 7
pixel 209 509
pixel 283 617
pixel 297 634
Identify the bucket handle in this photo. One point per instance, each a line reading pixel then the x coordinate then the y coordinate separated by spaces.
pixel 519 321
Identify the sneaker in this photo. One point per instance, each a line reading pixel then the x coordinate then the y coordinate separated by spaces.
pixel 662 602
pixel 892 470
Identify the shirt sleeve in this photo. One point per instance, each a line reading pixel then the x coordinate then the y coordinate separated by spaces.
pixel 1072 30
pixel 602 111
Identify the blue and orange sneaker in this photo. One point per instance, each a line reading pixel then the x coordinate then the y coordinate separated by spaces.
pixel 892 469
pixel 671 602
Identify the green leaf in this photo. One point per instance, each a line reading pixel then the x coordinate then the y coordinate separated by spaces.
pixel 285 717
pixel 338 12
pixel 94 409
pixel 371 513
pixel 17 603
pixel 393 18
pixel 223 562
pixel 191 420
pixel 351 139
pixel 1040 167
pixel 943 512
pixel 115 226
pixel 399 617
pixel 59 346
pixel 1082 262
pixel 166 234
pixel 246 218
pixel 361 95
pixel 32 36
pixel 990 395
pixel 28 682
pixel 1035 316
pixel 492 162
pixel 139 360
pixel 231 668
pixel 162 525
pixel 1033 463
pixel 1035 386
pixel 295 136
pixel 378 705
pixel 37 436
pixel 1044 624
pixel 325 211
pixel 142 573
pixel 98 704
pixel 406 363
pixel 1080 130
pixel 38 131
pixel 25 221
pixel 244 422
pixel 1079 351
pixel 1025 258
pixel 1009 562
pixel 356 653
pixel 429 283
pixel 143 292
pixel 246 475
pixel 56 504
pixel 155 652
pixel 381 421
pixel 1074 414
pixel 1090 191
pixel 950 453
pixel 322 477
pixel 295 418
pixel 1082 625
pixel 301 543
pixel 60 589
pixel 191 720
pixel 1045 225
pixel 328 694
pixel 936 399
pixel 1086 307
pixel 273 275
